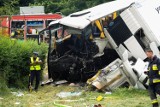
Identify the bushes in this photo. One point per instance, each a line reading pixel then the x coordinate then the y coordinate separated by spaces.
pixel 14 60
pixel 3 86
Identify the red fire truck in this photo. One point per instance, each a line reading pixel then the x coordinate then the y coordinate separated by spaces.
pixel 4 25
pixel 25 26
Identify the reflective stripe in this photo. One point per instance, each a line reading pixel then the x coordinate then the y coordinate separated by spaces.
pixel 114 15
pixel 159 72
pixel 89 81
pixel 91 37
pixel 98 24
pixel 154 67
pixel 156 80
pixel 36 67
pixel 154 101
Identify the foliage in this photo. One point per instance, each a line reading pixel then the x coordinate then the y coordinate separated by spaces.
pixel 15 59
pixel 10 7
pixel 67 6
pixel 3 86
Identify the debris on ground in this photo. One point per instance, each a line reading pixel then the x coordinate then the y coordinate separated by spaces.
pixel 38 104
pixel 72 84
pixel 99 98
pixel 68 94
pixel 17 103
pixel 108 92
pixel 47 82
pixel 18 94
pixel 99 105
pixel 60 82
pixel 1 98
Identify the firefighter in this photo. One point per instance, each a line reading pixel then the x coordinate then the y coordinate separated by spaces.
pixel 154 76
pixel 14 35
pixel 35 68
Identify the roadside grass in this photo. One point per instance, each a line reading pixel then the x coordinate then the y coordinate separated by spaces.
pixel 46 97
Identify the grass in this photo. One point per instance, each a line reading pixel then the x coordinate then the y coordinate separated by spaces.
pixel 46 96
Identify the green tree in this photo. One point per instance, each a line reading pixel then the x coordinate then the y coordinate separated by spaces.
pixel 9 7
pixel 67 6
pixel 25 2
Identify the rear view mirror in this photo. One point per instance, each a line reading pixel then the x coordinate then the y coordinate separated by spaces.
pixel 41 36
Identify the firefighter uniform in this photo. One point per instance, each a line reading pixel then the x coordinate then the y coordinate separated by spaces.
pixel 154 79
pixel 35 71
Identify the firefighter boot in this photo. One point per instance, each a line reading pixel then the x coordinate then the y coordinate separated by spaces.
pixel 155 105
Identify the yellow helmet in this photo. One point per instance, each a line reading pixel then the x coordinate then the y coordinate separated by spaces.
pixel 12 33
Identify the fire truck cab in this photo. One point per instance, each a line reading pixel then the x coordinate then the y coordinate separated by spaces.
pixel 28 24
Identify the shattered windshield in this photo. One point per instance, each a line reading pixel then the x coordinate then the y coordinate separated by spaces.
pixel 61 34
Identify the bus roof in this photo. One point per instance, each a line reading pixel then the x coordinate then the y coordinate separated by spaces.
pixel 83 18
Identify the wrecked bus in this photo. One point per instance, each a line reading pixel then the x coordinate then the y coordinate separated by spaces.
pixel 108 52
